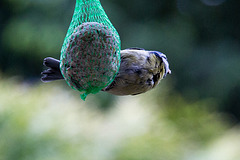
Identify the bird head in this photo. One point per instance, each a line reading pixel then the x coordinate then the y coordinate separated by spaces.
pixel 163 57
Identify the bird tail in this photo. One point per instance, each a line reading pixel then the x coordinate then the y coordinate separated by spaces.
pixel 53 72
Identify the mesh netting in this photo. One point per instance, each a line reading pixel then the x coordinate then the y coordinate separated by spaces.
pixel 90 55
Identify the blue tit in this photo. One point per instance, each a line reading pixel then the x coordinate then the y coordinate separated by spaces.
pixel 140 71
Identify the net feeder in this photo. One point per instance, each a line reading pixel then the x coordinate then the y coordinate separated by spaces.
pixel 90 55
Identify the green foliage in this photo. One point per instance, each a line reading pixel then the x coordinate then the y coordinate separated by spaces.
pixel 21 136
pixel 48 122
pixel 24 36
pixel 178 120
pixel 179 129
pixel 200 39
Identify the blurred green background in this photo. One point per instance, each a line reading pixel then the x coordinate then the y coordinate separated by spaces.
pixel 193 114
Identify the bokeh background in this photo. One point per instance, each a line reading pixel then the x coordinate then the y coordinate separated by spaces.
pixel 193 114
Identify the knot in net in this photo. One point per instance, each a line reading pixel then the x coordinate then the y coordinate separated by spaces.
pixel 90 55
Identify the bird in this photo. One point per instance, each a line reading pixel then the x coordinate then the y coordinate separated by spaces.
pixel 140 71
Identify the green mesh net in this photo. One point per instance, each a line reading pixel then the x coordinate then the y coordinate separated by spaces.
pixel 90 55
